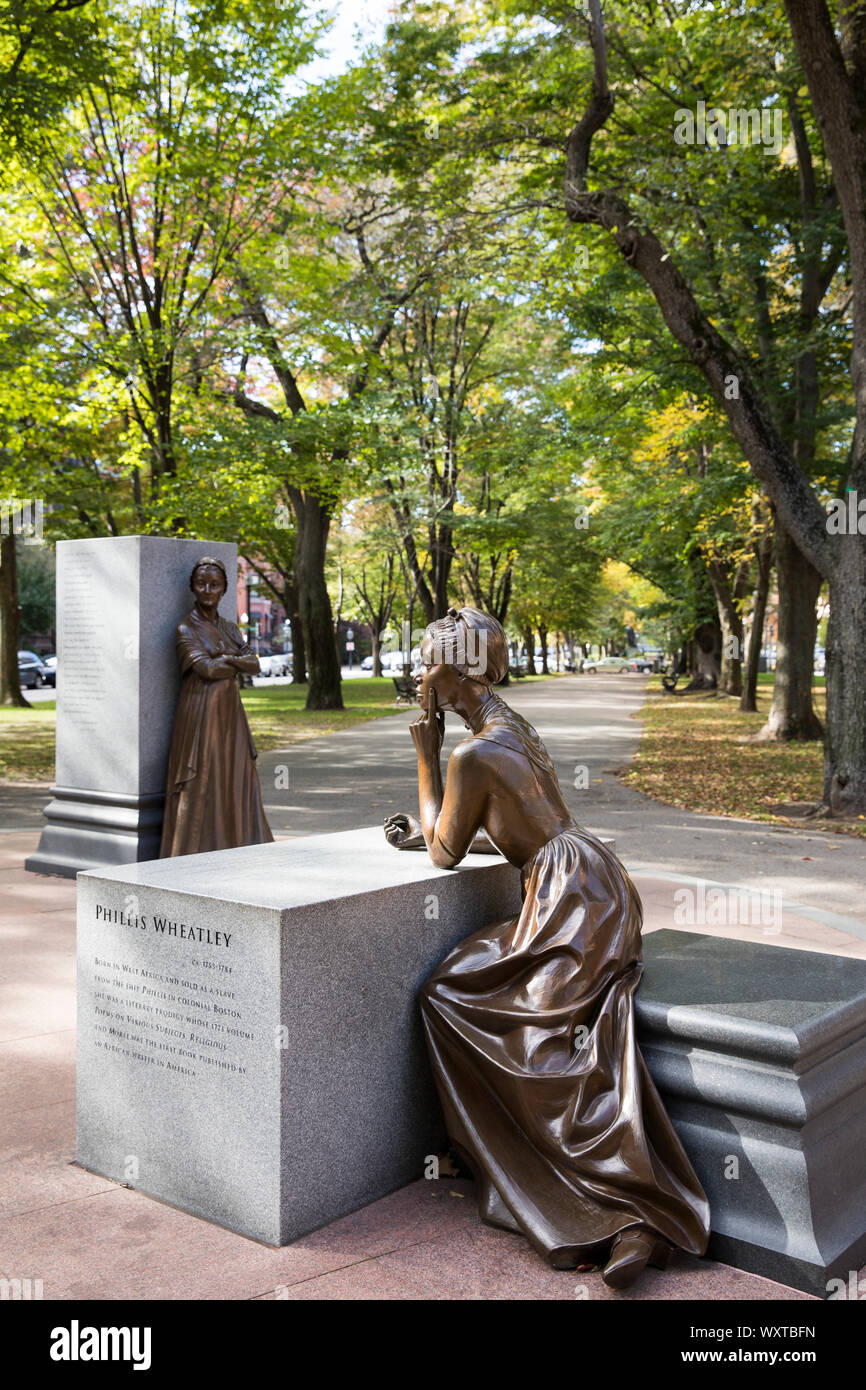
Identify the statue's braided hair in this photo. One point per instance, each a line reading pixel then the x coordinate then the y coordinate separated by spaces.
pixel 473 642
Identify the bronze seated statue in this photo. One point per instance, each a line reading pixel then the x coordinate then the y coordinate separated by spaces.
pixel 530 1022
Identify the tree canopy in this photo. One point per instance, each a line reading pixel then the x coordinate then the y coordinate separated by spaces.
pixel 556 312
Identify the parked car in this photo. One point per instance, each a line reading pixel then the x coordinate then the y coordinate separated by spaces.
pixel 275 663
pixel 31 671
pixel 391 663
pixel 551 658
pixel 607 664
pixel 50 664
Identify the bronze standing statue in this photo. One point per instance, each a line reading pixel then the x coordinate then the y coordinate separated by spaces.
pixel 213 799
pixel 530 1022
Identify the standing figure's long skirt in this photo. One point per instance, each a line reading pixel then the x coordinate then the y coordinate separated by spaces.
pixel 530 1026
pixel 213 797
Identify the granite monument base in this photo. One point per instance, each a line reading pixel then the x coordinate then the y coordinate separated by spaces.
pixel 250 1047
pixel 88 828
pixel 759 1053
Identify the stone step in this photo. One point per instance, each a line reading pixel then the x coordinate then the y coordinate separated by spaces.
pixel 759 1053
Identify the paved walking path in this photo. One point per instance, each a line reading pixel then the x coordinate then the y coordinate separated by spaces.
pixel 87 1237
pixel 358 776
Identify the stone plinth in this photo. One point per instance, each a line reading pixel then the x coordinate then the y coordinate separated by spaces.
pixel 250 1046
pixel 119 600
pixel 759 1053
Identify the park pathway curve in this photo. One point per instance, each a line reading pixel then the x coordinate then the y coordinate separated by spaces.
pixel 361 775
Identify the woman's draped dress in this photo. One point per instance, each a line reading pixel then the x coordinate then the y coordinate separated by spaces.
pixel 213 798
pixel 531 1032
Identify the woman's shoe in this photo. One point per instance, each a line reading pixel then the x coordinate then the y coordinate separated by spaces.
pixel 630 1254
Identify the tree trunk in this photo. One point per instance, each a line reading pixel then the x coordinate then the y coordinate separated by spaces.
pixel 500 608
pixel 442 556
pixel 764 558
pixel 542 639
pixel 421 590
pixel 317 619
pixel 731 623
pixel 529 644
pixel 378 608
pixel 845 747
pixel 10 685
pixel 835 77
pixel 792 715
pixel 707 652
pixel 299 651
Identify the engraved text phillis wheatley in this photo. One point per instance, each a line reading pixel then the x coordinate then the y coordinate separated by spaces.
pixel 184 1017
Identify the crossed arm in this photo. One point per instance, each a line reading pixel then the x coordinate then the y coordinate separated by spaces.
pixel 192 656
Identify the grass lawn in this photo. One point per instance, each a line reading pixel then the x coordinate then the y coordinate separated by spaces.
pixel 767 678
pixel 27 743
pixel 691 756
pixel 276 714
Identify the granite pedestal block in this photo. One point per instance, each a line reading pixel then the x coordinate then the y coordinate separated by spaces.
pixel 119 600
pixel 249 1041
pixel 759 1053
